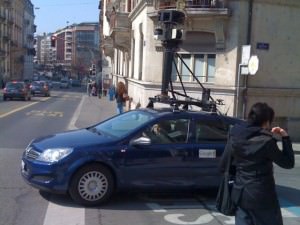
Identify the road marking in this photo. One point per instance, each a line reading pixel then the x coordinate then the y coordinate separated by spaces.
pixel 44 99
pixel 288 210
pixel 76 115
pixel 230 219
pixel 156 207
pixel 292 210
pixel 66 215
pixel 175 218
pixel 18 109
pixel 45 113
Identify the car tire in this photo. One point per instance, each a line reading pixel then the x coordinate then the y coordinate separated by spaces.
pixel 92 185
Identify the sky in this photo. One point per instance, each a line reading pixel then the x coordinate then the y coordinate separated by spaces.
pixel 51 15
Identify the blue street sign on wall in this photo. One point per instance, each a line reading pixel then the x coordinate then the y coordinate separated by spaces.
pixel 263 46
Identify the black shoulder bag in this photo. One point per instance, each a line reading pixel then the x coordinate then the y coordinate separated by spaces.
pixel 224 204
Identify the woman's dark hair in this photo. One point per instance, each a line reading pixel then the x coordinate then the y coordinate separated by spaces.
pixel 260 113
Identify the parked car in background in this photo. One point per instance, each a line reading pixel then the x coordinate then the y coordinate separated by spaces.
pixel 40 88
pixel 64 84
pixel 148 149
pixel 16 90
pixel 76 83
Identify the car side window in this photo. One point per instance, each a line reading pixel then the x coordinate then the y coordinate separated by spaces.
pixel 208 131
pixel 168 131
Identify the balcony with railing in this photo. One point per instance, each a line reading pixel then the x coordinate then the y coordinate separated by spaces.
pixel 167 4
pixel 107 46
pixel 33 28
pixel 120 29
pixel 203 7
pixel 201 16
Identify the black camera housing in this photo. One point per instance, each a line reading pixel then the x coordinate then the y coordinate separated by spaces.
pixel 171 16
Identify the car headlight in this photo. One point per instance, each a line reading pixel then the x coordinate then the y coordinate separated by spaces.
pixel 54 154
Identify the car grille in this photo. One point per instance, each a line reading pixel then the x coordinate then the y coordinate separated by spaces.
pixel 31 153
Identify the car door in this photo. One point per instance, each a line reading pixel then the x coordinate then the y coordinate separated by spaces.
pixel 209 138
pixel 162 163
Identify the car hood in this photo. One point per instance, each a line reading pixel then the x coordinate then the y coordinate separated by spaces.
pixel 72 139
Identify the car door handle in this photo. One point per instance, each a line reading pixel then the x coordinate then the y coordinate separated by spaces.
pixel 179 153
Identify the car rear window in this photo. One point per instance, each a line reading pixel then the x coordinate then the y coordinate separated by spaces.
pixel 36 83
pixel 15 85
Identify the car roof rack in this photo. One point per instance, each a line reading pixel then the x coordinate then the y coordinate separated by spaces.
pixel 207 103
pixel 169 30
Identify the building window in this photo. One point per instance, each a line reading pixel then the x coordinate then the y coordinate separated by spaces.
pixel 202 66
pixel 199 66
pixel 211 62
pixel 132 58
pixel 184 71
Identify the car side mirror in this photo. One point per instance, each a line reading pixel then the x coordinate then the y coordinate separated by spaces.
pixel 141 141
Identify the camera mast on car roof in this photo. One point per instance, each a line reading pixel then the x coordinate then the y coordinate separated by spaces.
pixel 170 34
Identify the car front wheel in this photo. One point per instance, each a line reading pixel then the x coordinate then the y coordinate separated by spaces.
pixel 92 185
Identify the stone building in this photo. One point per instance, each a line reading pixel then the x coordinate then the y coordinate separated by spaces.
pixel 16 39
pixel 215 32
pixel 28 40
pixel 17 48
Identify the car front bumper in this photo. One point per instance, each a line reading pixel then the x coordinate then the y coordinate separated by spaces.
pixel 44 176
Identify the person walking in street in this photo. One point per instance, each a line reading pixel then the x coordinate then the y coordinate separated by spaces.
pixel 121 97
pixel 252 146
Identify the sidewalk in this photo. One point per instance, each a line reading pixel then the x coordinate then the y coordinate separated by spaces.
pixel 94 110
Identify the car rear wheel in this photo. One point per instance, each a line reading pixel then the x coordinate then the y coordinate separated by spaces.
pixel 92 185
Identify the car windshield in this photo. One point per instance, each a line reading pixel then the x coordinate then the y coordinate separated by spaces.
pixel 124 123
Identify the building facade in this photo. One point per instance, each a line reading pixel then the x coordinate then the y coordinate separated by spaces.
pixel 16 39
pixel 28 39
pixel 77 48
pixel 47 52
pixel 17 48
pixel 215 32
pixel 4 40
pixel 86 48
pixel 37 46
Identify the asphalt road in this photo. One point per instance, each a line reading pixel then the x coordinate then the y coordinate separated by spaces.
pixel 21 121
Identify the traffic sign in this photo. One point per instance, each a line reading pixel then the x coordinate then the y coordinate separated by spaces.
pixel 253 64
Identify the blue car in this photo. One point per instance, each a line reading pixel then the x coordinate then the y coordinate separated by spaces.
pixel 144 149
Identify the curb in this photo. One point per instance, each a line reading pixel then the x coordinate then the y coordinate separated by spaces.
pixel 76 115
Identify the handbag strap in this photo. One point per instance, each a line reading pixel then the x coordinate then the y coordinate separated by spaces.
pixel 229 161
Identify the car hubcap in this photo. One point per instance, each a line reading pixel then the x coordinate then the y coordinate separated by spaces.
pixel 92 186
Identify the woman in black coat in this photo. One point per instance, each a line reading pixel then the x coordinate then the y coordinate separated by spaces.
pixel 253 148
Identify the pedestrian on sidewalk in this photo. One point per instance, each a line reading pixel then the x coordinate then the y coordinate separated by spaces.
pixel 253 149
pixel 121 97
pixel 89 87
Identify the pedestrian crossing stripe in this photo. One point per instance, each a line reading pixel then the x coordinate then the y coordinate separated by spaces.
pixel 288 210
pixel 290 207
